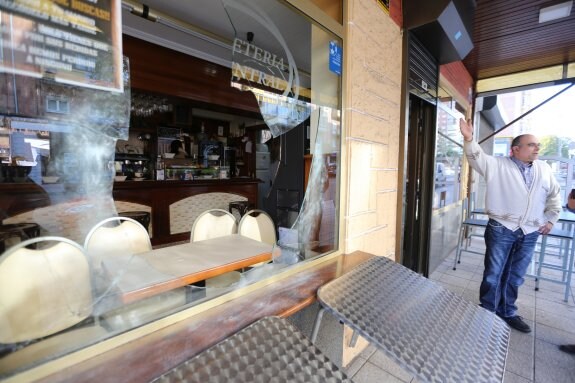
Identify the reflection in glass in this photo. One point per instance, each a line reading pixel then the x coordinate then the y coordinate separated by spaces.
pixel 448 156
pixel 58 140
pixel 272 74
pixel 274 81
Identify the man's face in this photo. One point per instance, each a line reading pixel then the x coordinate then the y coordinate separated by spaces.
pixel 527 150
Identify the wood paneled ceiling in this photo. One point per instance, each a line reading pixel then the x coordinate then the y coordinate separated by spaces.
pixel 508 38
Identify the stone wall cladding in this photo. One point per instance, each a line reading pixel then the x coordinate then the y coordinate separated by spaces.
pixel 374 52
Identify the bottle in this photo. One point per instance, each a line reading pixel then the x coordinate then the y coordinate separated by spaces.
pixel 160 176
pixel 202 135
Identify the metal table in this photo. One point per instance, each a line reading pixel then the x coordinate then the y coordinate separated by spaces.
pixel 566 216
pixel 269 350
pixel 433 333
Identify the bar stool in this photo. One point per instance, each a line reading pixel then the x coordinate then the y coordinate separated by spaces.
pixel 23 231
pixel 241 206
pixel 566 252
pixel 463 241
pixel 143 217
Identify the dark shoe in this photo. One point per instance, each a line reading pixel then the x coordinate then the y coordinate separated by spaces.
pixel 568 348
pixel 517 323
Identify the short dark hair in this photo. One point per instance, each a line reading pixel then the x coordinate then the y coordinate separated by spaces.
pixel 517 140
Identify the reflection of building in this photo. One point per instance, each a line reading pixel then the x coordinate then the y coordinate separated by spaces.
pixel 502 146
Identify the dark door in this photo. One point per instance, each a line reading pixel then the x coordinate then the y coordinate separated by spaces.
pixel 419 184
pixel 284 198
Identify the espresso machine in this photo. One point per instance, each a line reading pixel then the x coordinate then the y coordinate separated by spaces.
pixel 208 150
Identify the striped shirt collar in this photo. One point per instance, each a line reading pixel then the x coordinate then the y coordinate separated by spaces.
pixel 526 170
pixel 521 164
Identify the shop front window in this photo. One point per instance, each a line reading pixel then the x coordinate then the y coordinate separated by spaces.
pixel 448 156
pixel 90 131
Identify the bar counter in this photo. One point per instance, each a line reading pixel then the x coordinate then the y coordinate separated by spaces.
pixel 173 205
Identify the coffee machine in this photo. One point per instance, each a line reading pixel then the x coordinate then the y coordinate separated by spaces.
pixel 206 149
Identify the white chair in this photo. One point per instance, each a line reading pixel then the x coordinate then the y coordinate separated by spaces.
pixel 122 236
pixel 116 236
pixel 44 291
pixel 258 225
pixel 213 223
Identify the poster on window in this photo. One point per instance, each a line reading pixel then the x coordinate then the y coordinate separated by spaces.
pixel 77 42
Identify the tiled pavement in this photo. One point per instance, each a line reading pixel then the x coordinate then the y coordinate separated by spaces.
pixel 532 357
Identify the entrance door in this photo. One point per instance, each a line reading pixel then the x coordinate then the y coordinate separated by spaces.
pixel 419 184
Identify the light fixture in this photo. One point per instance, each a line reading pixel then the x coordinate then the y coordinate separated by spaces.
pixel 554 12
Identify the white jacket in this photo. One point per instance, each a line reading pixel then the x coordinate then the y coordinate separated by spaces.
pixel 507 199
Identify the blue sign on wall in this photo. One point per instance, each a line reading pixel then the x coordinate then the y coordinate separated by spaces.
pixel 335 58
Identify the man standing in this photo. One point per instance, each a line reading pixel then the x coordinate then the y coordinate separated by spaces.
pixel 522 201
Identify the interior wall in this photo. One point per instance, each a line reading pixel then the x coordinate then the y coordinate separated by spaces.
pixel 373 50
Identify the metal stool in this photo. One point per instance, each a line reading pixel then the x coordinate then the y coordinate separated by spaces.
pixel 466 224
pixel 143 217
pixel 566 252
pixel 23 231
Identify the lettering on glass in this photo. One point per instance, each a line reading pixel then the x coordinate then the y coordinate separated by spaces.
pixel 272 78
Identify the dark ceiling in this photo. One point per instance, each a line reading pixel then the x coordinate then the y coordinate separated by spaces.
pixel 508 38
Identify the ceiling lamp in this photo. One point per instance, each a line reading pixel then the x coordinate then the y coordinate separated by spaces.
pixel 554 12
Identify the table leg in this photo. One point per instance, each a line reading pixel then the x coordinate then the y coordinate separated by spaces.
pixel 316 324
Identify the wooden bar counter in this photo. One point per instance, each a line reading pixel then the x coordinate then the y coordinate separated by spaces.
pixel 174 204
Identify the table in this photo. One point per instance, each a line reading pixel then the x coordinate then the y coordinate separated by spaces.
pixel 566 237
pixel 146 274
pixel 432 332
pixel 269 350
pixel 566 216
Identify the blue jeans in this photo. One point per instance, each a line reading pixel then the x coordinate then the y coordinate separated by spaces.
pixel 507 257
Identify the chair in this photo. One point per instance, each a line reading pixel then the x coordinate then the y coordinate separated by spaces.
pixel 213 223
pixel 566 254
pixel 44 291
pixel 258 225
pixel 127 238
pixel 467 223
